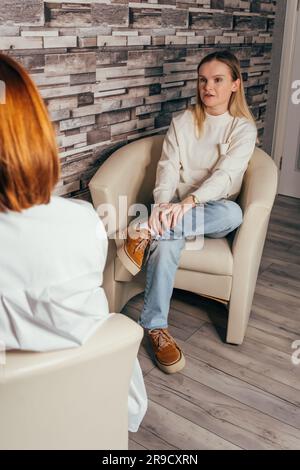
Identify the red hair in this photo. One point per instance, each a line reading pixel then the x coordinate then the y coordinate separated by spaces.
pixel 29 164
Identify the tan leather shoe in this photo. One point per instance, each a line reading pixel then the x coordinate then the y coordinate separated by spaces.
pixel 132 252
pixel 169 357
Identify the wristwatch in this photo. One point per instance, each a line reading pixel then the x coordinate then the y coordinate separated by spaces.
pixel 195 199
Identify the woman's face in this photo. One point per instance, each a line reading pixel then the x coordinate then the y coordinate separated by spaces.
pixel 216 86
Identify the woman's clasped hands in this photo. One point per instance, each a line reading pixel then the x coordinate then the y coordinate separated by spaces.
pixel 165 216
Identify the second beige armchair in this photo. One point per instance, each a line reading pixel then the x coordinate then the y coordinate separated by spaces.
pixel 224 269
pixel 71 399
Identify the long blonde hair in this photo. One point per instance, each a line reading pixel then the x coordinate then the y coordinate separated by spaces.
pixel 237 105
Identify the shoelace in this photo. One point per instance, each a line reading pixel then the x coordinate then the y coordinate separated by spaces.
pixel 142 245
pixel 161 338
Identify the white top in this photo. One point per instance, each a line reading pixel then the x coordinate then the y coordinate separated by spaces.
pixel 51 261
pixel 210 167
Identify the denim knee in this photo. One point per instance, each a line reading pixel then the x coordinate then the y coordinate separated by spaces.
pixel 235 214
pixel 166 250
pixel 224 217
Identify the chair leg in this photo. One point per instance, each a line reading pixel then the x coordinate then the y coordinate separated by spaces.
pixel 238 316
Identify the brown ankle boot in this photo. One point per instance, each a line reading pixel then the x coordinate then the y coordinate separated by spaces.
pixel 132 252
pixel 168 354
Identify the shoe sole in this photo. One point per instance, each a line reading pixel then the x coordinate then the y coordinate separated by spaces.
pixel 179 365
pixel 126 261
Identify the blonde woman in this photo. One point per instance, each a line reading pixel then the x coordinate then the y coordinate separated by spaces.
pixel 53 250
pixel 204 157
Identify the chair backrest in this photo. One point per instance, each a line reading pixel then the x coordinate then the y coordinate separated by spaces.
pixel 131 171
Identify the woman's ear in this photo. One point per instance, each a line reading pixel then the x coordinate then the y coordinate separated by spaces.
pixel 236 85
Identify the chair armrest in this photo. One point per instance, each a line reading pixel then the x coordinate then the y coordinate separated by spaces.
pixel 256 199
pixel 260 182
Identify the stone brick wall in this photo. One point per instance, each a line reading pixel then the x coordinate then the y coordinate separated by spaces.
pixel 113 71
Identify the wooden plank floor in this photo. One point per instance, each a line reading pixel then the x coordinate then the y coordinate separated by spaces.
pixel 232 397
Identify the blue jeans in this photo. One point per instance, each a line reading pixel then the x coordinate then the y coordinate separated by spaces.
pixel 219 217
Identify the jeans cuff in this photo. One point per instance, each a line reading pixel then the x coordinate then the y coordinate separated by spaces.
pixel 158 327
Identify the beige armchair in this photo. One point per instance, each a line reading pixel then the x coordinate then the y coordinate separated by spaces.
pixel 72 398
pixel 225 270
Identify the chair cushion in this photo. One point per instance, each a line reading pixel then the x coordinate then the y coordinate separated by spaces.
pixel 214 258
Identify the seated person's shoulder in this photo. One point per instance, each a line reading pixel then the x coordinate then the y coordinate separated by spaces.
pixel 246 126
pixel 183 119
pixel 183 116
pixel 76 207
pixel 80 215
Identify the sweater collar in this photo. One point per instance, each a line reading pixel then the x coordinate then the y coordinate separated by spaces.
pixel 220 118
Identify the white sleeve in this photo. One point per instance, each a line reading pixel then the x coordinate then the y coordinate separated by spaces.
pixel 167 173
pixel 232 164
pixel 100 231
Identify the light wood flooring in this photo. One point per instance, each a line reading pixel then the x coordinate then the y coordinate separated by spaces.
pixel 232 397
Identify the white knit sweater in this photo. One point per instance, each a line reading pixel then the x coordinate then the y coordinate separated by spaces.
pixel 210 167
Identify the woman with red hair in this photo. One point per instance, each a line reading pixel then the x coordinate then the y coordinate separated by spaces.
pixel 53 250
